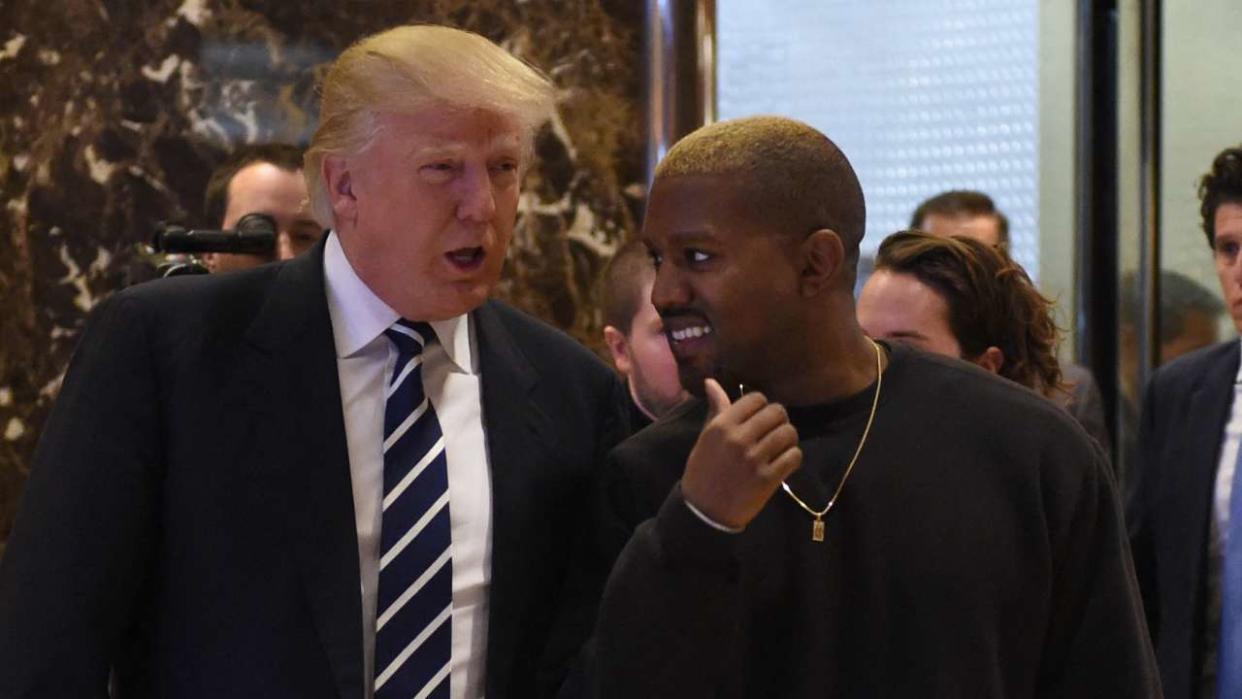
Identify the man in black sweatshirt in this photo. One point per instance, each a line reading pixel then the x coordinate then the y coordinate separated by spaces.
pixel 831 516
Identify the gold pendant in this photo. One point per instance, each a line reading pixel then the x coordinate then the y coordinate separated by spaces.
pixel 817 530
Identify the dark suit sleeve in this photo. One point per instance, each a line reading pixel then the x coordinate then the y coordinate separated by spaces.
pixel 81 544
pixel 668 620
pixel 570 650
pixel 1097 642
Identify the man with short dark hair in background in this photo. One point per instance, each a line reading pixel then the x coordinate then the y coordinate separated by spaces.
pixel 1185 505
pixel 1189 316
pixel 1189 320
pixel 267 179
pixel 345 475
pixel 635 335
pixel 973 214
pixel 963 212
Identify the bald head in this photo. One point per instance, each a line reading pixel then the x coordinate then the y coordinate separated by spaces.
pixel 796 179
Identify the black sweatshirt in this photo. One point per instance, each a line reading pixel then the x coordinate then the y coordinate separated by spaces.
pixel 976 551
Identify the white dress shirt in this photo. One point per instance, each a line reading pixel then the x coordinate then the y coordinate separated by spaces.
pixel 1218 534
pixel 364 361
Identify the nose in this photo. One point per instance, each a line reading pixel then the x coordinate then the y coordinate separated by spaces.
pixel 669 289
pixel 284 246
pixel 477 201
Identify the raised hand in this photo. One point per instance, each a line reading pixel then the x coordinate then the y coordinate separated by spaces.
pixel 743 453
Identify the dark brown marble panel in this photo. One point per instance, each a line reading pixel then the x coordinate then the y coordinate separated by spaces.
pixel 113 113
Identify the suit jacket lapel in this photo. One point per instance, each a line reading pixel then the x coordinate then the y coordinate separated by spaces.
pixel 302 459
pixel 1210 404
pixel 513 424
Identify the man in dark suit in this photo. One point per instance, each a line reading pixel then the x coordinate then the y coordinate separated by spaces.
pixel 1185 506
pixel 344 475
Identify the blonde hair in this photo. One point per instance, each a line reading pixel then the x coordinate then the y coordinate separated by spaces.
pixel 796 178
pixel 408 68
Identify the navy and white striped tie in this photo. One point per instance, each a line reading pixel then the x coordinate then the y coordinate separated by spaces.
pixel 413 626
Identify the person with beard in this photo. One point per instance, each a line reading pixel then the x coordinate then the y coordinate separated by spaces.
pixel 832 516
pixel 635 336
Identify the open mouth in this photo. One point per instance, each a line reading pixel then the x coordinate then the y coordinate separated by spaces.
pixel 466 259
pixel 687 335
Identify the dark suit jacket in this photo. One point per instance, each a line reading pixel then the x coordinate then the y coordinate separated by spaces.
pixel 1186 406
pixel 189 520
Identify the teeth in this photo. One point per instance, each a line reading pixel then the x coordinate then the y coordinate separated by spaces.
pixel 694 331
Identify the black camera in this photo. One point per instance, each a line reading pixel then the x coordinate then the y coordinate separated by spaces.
pixel 254 234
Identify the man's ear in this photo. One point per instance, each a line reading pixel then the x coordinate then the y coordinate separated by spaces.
pixel 992 359
pixel 823 261
pixel 336 175
pixel 619 348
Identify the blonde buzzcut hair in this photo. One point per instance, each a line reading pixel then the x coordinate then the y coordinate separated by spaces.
pixel 407 68
pixel 797 180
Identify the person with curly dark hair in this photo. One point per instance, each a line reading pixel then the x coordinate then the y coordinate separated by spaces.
pixel 961 297
pixel 1185 499
pixel 973 214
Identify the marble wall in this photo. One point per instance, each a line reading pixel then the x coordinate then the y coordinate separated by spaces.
pixel 114 112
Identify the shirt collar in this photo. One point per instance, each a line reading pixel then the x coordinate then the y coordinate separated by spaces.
pixel 359 316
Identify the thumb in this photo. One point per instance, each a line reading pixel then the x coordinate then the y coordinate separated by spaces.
pixel 717 399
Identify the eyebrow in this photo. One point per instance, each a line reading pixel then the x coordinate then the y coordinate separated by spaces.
pixel 683 236
pixel 913 334
pixel 438 149
pixel 499 141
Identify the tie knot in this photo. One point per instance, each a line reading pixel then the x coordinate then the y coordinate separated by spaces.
pixel 409 336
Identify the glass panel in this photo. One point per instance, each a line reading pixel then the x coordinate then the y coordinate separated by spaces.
pixel 1130 232
pixel 1202 96
pixel 1200 92
pixel 922 96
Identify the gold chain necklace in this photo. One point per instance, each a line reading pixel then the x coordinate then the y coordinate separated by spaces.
pixel 817 526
